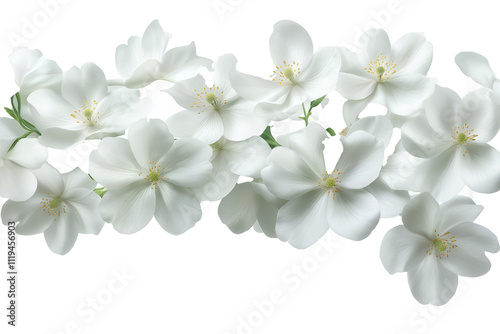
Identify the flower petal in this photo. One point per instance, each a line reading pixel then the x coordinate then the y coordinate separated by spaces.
pixel 61 138
pixel 290 42
pixel 353 214
pixel 182 63
pixel 78 179
pixel 177 208
pixel 378 126
pixel 289 176
pixel 87 84
pixel 28 153
pixel 154 41
pixel 468 258
pixel 402 250
pixel 391 201
pixel 52 110
pixel 361 160
pixel 372 44
pixel 240 121
pixel 49 179
pixel 206 125
pixel 187 163
pixel 459 209
pixel 61 235
pixel 320 76
pixel 257 89
pixel 129 56
pixel 184 92
pixel 405 94
pixel 32 71
pixel 149 141
pixel 225 65
pixel 441 175
pixel 476 67
pixel 303 221
pixel 17 183
pixel 308 143
pixel 480 170
pixel 129 209
pixel 481 115
pixel 29 214
pixel 87 215
pixel 412 53
pixel 355 87
pixel 432 283
pixel 421 140
pixel 419 215
pixel 248 157
pixel 442 110
pixel 113 164
pixel 238 209
pixel 144 74
pixel 222 179
pixel 281 111
pixel 10 129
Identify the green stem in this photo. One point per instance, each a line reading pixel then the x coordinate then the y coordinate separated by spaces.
pixel 18 139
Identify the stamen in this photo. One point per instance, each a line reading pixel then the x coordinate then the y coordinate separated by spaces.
pixel 331 183
pixel 382 68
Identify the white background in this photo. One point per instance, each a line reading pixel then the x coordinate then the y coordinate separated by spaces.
pixel 208 280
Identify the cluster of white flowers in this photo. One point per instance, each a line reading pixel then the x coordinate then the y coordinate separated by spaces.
pixel 145 168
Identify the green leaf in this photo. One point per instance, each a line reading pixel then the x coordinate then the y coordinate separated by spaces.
pixel 15 113
pixel 268 137
pixel 317 102
pixel 10 112
pixel 331 132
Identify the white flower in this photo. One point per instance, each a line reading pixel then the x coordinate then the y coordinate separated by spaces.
pixel 299 75
pixel 250 204
pixel 144 60
pixel 32 71
pixel 394 76
pixel 391 201
pixel 319 199
pixel 452 137
pixel 62 206
pixel 214 111
pixel 436 244
pixel 149 175
pixel 231 159
pixel 85 109
pixel 17 181
pixel 477 67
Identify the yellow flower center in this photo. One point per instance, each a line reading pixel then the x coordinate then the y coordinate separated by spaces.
pixel 441 245
pixel 154 176
pixel 209 98
pixel 86 114
pixel 286 73
pixel 330 182
pixel 53 206
pixel 381 67
pixel 463 136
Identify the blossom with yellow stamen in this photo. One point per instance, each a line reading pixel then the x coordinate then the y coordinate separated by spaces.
pixel 436 244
